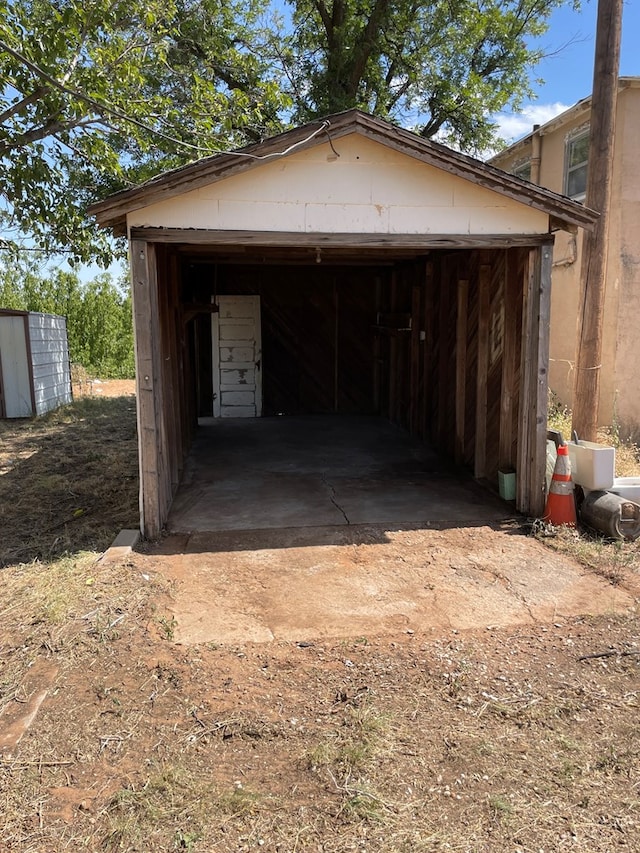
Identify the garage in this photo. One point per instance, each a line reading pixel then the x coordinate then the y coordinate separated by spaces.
pixel 344 269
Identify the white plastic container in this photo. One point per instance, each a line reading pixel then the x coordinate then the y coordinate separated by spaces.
pixel 627 487
pixel 593 465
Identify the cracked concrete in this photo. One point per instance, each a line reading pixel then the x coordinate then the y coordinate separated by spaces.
pixel 332 498
pixel 308 584
pixel 270 473
pixel 301 528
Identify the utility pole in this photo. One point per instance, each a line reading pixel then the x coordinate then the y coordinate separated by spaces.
pixel 593 268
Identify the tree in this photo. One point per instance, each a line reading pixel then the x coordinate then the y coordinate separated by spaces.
pixel 98 313
pixel 444 66
pixel 100 94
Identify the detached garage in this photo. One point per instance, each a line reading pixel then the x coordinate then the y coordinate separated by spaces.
pixel 346 267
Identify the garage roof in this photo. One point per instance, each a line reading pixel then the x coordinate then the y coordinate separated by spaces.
pixel 563 212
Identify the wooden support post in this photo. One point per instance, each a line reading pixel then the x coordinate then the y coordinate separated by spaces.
pixel 480 455
pixel 534 381
pixel 461 368
pixel 427 350
pixel 151 438
pixel 393 354
pixel 415 386
pixel 509 360
pixel 444 351
pixel 593 267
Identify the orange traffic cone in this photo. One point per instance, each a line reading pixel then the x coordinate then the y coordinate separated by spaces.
pixel 561 505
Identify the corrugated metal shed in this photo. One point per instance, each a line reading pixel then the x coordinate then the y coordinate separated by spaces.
pixel 35 375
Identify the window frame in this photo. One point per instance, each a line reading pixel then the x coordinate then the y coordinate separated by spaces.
pixel 579 135
pixel 522 167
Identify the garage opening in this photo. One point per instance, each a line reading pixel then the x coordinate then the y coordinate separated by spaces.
pixel 435 343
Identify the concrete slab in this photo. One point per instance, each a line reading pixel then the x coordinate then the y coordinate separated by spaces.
pixel 297 529
pixel 121 547
pixel 371 582
pixel 272 473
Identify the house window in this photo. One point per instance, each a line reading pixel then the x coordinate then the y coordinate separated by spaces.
pixel 522 170
pixel 577 157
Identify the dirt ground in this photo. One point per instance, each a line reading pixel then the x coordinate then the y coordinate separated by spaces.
pixel 118 735
pixel 501 739
pixel 105 388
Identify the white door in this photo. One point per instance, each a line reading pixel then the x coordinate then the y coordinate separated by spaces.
pixel 237 358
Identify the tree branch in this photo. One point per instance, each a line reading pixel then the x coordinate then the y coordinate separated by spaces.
pixel 25 102
pixel 366 44
pixel 324 15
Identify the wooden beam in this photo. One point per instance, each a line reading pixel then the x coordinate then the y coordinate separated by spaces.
pixel 415 387
pixel 444 351
pixel 512 286
pixel 428 349
pixel 148 379
pixel 534 383
pixel 538 443
pixel 461 368
pixel 480 455
pixel 322 240
pixel 593 263
pixel 523 463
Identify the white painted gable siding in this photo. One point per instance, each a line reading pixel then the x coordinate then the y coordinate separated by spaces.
pixel 369 188
pixel 50 360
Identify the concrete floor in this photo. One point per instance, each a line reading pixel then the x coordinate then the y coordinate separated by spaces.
pixel 315 471
pixel 297 529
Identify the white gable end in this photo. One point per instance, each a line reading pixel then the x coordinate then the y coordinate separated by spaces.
pixel 368 188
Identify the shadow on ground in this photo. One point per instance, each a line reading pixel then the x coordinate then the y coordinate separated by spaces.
pixel 68 480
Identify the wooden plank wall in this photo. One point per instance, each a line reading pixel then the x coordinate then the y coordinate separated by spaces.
pixel 454 379
pixel 164 371
pixel 450 347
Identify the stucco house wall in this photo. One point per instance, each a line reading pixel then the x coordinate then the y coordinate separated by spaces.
pixel 620 377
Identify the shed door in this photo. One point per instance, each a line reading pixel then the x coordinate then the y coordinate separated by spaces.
pixel 16 378
pixel 237 355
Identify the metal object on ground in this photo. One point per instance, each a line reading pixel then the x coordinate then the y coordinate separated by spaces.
pixel 612 515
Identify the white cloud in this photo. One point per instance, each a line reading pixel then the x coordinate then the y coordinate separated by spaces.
pixel 512 126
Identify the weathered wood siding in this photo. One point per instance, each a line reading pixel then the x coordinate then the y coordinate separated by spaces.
pixel 450 347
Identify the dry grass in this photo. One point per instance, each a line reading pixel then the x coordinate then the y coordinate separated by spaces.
pixel 499 741
pixel 605 557
pixel 68 480
pixel 475 742
pixel 627 453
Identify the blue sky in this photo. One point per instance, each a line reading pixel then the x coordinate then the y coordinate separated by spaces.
pixel 568 69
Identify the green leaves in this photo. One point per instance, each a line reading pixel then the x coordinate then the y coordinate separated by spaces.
pixel 99 94
pixel 443 66
pixel 102 94
pixel 98 313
